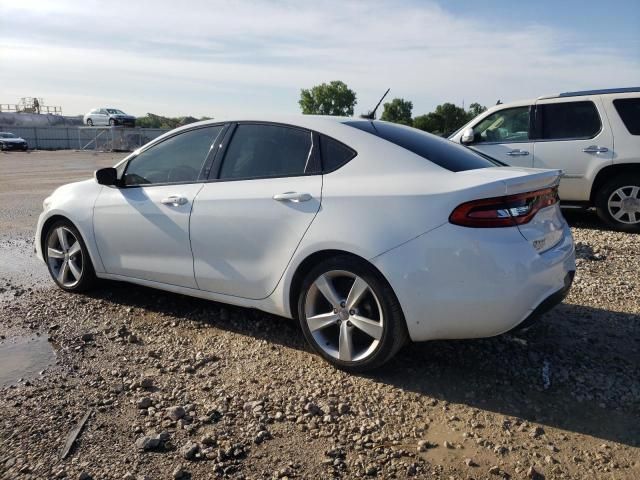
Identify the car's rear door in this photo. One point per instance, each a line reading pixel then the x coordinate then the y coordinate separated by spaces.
pixel 142 227
pixel 573 135
pixel 505 136
pixel 248 221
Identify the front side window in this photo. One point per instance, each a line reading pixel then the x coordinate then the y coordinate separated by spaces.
pixel 567 120
pixel 505 126
pixel 178 159
pixel 259 151
pixel 629 111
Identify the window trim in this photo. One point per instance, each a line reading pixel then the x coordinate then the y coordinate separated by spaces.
pixel 206 162
pixel 214 174
pixel 537 125
pixel 530 127
pixel 615 107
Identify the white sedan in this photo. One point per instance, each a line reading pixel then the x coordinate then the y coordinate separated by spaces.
pixel 369 233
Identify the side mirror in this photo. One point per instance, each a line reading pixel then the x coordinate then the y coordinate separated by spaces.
pixel 467 136
pixel 107 176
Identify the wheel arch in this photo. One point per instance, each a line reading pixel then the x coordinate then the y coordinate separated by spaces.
pixel 55 218
pixel 609 172
pixel 310 262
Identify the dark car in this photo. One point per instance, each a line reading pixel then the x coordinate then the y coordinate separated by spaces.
pixel 9 141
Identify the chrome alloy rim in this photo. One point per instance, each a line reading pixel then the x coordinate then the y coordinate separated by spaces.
pixel 64 257
pixel 344 316
pixel 624 204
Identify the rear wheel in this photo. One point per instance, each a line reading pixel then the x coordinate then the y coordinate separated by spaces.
pixel 350 315
pixel 112 122
pixel 67 258
pixel 89 122
pixel 618 203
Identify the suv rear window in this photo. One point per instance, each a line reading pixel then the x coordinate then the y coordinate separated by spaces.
pixel 567 120
pixel 629 111
pixel 440 151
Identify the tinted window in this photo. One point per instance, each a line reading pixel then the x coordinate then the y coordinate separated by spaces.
pixel 442 152
pixel 504 126
pixel 178 159
pixel 558 121
pixel 334 154
pixel 629 111
pixel 267 151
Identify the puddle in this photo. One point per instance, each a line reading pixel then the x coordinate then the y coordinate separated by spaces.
pixel 24 357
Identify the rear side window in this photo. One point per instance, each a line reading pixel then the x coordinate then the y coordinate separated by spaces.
pixel 569 120
pixel 334 154
pixel 629 111
pixel 258 151
pixel 440 151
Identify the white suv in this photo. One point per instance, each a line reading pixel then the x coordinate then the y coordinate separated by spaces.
pixel 592 136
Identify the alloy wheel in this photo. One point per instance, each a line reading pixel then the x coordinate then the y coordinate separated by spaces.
pixel 64 257
pixel 344 316
pixel 624 204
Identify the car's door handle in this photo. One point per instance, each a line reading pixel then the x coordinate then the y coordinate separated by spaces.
pixel 292 197
pixel 595 149
pixel 174 200
pixel 517 153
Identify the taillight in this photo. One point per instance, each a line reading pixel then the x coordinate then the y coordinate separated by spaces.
pixel 503 211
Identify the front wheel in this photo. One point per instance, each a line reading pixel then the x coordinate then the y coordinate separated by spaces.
pixel 112 122
pixel 67 258
pixel 90 122
pixel 618 203
pixel 350 315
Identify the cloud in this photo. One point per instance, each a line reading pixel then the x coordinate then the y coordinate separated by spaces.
pixel 226 58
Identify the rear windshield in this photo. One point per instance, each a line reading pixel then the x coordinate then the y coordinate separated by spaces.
pixel 440 151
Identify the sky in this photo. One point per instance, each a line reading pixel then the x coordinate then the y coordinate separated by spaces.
pixel 237 58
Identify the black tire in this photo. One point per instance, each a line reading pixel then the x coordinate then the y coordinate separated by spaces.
pixel 606 212
pixel 89 122
pixel 87 278
pixel 394 330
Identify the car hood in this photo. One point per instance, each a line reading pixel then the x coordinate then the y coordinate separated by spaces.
pixel 12 140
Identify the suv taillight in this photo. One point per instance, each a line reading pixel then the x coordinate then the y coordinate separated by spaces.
pixel 503 211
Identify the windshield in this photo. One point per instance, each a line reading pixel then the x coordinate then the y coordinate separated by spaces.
pixel 7 135
pixel 440 151
pixel 115 111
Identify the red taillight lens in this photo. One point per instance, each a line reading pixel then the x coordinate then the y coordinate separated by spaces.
pixel 503 211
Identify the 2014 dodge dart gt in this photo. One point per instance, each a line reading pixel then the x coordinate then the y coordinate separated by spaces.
pixel 370 234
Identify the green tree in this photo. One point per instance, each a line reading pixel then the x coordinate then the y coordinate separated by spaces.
pixel 475 109
pixel 334 98
pixel 398 110
pixel 430 122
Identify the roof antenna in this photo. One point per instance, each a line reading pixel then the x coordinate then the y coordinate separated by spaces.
pixel 372 114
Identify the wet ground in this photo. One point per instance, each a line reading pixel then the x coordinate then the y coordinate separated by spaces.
pixel 24 357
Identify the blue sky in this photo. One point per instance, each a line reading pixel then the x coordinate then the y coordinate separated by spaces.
pixel 248 57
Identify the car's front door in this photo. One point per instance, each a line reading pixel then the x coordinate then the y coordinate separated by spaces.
pixel 574 136
pixel 101 117
pixel 505 136
pixel 142 227
pixel 248 222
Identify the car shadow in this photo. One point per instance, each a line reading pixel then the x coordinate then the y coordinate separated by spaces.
pixel 584 218
pixel 578 369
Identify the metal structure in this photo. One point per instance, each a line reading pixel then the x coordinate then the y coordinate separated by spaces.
pixel 30 105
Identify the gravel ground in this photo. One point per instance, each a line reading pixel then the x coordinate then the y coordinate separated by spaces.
pixel 182 388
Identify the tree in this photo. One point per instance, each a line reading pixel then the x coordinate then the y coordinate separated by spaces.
pixel 398 110
pixel 334 98
pixel 431 122
pixel 476 109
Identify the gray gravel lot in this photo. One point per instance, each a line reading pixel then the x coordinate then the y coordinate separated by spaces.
pixel 183 388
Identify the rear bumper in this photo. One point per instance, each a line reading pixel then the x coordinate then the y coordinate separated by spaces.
pixel 455 282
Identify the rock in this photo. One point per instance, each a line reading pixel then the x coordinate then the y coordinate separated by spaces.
pixel 87 337
pixel 536 432
pixel 470 463
pixel 179 473
pixel 175 413
pixel 144 402
pixel 147 443
pixel 190 450
pixel 146 383
pixel 533 474
pixel 84 476
pixel 494 470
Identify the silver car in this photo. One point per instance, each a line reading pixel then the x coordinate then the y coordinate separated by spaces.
pixel 109 116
